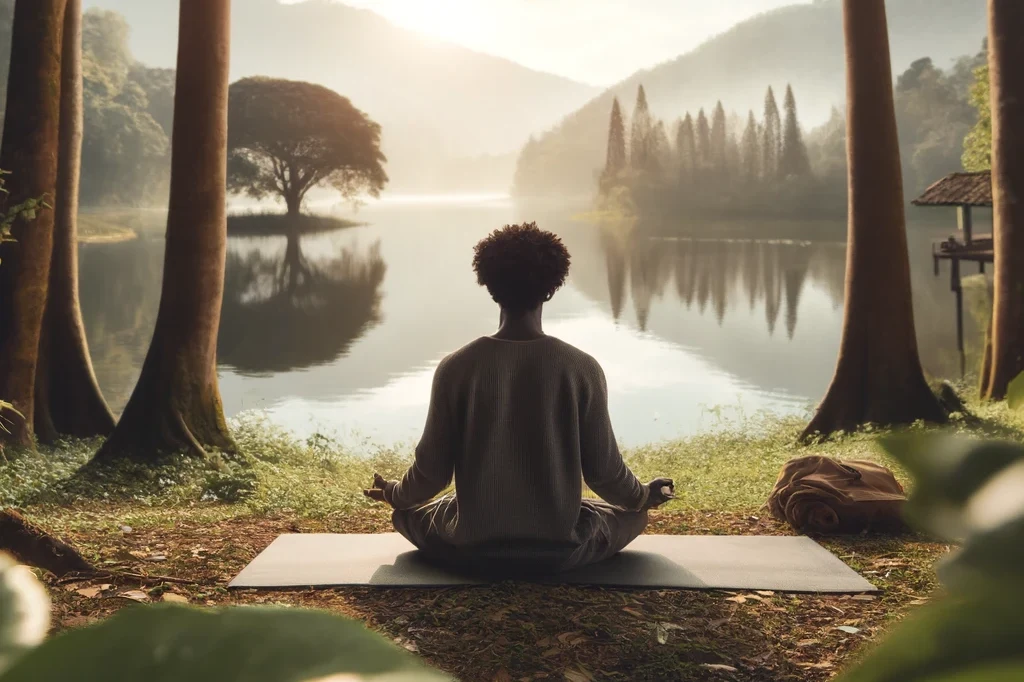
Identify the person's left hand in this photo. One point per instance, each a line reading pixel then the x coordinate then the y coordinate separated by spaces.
pixel 376 493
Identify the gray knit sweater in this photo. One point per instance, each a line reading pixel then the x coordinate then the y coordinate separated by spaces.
pixel 520 425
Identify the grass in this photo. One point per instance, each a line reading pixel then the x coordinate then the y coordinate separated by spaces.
pixel 191 526
pixel 263 224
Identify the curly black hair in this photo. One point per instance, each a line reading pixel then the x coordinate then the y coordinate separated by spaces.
pixel 521 266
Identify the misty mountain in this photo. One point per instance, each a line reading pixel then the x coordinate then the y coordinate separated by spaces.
pixel 441 106
pixel 798 44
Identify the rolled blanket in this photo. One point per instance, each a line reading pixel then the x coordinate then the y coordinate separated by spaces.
pixel 830 497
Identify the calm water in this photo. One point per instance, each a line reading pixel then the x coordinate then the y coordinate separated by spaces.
pixel 339 333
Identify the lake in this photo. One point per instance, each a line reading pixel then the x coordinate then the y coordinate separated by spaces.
pixel 338 333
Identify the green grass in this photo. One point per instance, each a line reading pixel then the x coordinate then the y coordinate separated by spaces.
pixel 732 468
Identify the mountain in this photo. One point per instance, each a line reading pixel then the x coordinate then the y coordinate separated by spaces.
pixel 797 44
pixel 440 105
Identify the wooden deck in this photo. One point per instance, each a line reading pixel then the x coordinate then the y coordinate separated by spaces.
pixel 979 250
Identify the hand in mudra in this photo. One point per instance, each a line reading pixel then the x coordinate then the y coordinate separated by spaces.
pixel 376 493
pixel 661 491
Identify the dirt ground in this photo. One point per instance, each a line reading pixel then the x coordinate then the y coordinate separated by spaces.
pixel 517 631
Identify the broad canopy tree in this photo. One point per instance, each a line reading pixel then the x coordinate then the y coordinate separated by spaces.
pixel 287 137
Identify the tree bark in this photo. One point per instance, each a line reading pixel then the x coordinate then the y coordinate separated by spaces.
pixel 878 377
pixel 35 547
pixel 1006 70
pixel 30 152
pixel 68 399
pixel 176 404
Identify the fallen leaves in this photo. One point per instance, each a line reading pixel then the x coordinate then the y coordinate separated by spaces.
pixel 134 595
pixel 849 629
pixel 719 666
pixel 174 598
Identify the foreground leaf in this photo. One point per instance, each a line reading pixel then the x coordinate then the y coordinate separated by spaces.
pixel 169 643
pixel 955 636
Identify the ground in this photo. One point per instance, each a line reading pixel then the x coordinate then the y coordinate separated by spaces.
pixel 181 533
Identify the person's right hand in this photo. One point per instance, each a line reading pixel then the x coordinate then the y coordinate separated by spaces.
pixel 660 491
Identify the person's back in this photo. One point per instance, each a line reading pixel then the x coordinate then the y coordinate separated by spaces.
pixel 519 420
pixel 531 418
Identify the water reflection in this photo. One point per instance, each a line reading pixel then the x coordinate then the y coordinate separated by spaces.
pixel 284 312
pixel 719 276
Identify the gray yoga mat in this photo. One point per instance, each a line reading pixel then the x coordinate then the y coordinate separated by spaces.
pixel 783 564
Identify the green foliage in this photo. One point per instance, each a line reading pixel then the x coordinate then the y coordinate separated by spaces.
pixel 1015 393
pixel 286 137
pixel 978 143
pixel 170 643
pixel 128 113
pixel 969 492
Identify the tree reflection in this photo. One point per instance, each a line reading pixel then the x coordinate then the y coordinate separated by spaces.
pixel 285 312
pixel 721 277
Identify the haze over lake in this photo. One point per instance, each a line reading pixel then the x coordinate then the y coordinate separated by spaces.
pixel 339 332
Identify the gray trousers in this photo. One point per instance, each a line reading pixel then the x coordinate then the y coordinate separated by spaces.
pixel 604 530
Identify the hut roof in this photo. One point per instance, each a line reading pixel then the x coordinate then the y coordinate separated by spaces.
pixel 959 189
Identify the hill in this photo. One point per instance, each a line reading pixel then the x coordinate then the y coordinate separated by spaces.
pixel 798 44
pixel 440 105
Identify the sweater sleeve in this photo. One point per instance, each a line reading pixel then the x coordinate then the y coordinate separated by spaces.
pixel 434 465
pixel 604 470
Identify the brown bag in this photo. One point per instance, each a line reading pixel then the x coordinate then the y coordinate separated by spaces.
pixel 831 497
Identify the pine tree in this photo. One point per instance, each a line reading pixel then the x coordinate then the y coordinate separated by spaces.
pixel 719 141
pixel 794 161
pixel 750 151
pixel 660 152
pixel 686 150
pixel 703 141
pixel 616 159
pixel 640 135
pixel 733 158
pixel 772 138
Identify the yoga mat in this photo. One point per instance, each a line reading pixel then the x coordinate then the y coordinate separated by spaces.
pixel 783 564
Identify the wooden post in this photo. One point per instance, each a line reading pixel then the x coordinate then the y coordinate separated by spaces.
pixel 966 223
pixel 959 292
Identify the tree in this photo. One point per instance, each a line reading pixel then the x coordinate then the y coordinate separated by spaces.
pixel 1006 66
pixel 718 141
pixel 661 150
pixel 703 141
pixel 615 163
pixel 68 399
pixel 287 137
pixel 794 161
pixel 30 144
pixel 686 149
pixel 978 143
pixel 750 151
pixel 878 377
pixel 771 140
pixel 176 403
pixel 125 143
pixel 640 133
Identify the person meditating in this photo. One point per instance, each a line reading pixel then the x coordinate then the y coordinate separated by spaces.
pixel 520 419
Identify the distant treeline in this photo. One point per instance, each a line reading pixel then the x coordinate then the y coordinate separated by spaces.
pixel 717 164
pixel 725 165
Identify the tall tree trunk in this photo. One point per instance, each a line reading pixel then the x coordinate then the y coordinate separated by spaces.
pixel 1006 69
pixel 176 404
pixel 68 399
pixel 30 153
pixel 293 201
pixel 878 377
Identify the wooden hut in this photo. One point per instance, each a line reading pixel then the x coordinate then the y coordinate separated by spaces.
pixel 963 191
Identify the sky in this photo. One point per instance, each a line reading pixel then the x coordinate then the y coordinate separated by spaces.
pixel 593 41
